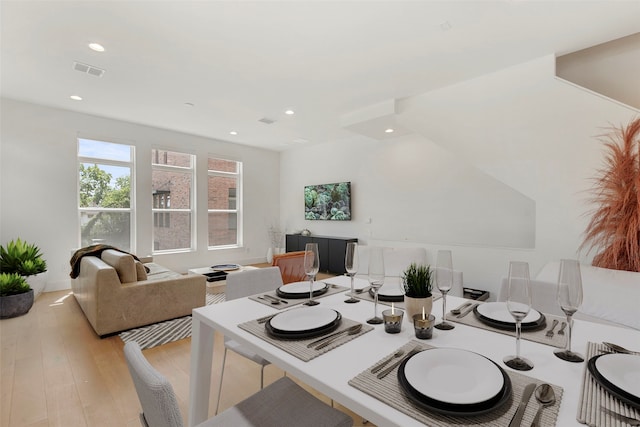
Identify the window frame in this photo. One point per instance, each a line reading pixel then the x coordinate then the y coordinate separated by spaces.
pixel 190 170
pixel 237 175
pixel 131 164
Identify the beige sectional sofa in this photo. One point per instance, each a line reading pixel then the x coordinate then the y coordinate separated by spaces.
pixel 117 293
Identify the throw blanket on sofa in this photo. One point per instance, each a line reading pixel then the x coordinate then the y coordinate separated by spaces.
pixel 93 250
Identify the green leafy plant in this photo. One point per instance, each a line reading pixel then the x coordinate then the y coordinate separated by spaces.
pixel 22 258
pixel 417 281
pixel 12 284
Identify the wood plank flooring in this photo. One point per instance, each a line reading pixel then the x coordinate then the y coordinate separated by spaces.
pixel 55 371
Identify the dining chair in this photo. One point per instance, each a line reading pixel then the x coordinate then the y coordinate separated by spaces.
pixel 282 403
pixel 242 284
pixel 291 265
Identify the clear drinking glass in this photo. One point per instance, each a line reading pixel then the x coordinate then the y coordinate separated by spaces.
pixel 351 265
pixel 570 299
pixel 518 304
pixel 311 267
pixel 376 279
pixel 444 282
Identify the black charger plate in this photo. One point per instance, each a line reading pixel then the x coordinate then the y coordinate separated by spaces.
pixel 300 295
pixel 616 391
pixel 464 410
pixel 387 298
pixel 310 333
pixel 541 323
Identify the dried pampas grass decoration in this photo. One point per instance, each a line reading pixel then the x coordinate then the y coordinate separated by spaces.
pixel 615 223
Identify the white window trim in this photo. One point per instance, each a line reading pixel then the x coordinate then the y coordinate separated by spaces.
pixel 238 175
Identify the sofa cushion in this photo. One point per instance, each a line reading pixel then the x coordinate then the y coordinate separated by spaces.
pixel 123 263
pixel 612 295
pixel 141 272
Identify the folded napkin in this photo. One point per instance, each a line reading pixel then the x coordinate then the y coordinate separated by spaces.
pixel 537 336
pixel 298 348
pixel 389 391
pixel 593 396
pixel 291 302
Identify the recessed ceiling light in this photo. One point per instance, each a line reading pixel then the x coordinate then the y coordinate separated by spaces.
pixel 233 132
pixel 189 104
pixel 289 112
pixel 96 46
pixel 389 130
pixel 76 97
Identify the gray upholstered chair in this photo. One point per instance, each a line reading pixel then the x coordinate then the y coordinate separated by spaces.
pixel 282 403
pixel 242 284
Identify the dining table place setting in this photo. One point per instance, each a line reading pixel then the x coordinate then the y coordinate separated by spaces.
pixel 306 332
pixel 296 293
pixel 441 387
pixel 495 316
pixel 610 390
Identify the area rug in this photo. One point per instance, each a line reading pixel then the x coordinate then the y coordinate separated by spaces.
pixel 165 332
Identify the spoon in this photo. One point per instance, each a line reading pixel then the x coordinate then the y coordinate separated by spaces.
pixel 351 331
pixel 619 349
pixel 545 396
pixel 457 310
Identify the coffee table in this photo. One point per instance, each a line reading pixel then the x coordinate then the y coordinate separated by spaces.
pixel 217 282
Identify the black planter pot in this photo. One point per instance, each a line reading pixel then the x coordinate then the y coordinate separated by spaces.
pixel 16 305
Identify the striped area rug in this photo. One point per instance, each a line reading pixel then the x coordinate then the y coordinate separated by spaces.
pixel 165 332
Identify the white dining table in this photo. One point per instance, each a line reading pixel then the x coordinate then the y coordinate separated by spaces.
pixel 330 372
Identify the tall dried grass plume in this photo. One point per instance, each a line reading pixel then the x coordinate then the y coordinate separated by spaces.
pixel 614 228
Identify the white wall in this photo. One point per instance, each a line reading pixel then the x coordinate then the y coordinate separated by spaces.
pixel 39 185
pixel 521 126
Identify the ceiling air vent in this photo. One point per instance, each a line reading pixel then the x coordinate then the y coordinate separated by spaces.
pixel 88 69
pixel 267 121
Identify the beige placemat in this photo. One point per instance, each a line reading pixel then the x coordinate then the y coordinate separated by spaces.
pixel 388 390
pixel 593 396
pixel 298 348
pixel 291 302
pixel 538 336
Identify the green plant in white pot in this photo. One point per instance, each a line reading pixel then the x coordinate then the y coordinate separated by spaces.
pixel 24 259
pixel 417 282
pixel 16 296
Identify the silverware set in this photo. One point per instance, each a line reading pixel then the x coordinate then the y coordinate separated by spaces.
pixel 329 339
pixel 466 311
pixel 550 332
pixel 417 349
pixel 273 300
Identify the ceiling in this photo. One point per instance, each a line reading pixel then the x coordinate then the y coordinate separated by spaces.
pixel 237 62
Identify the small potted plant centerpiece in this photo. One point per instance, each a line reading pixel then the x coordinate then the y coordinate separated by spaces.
pixel 24 259
pixel 16 296
pixel 417 282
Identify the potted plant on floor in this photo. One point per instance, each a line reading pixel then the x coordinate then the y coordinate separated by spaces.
pixel 417 282
pixel 16 296
pixel 26 260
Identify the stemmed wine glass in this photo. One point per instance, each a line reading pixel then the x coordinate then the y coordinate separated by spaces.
pixel 444 282
pixel 311 267
pixel 518 304
pixel 570 298
pixel 376 279
pixel 351 265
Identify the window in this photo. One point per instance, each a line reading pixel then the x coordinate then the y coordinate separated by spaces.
pixel 105 174
pixel 172 183
pixel 224 207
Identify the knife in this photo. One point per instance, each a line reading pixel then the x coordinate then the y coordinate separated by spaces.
pixel 516 421
pixel 467 311
pixel 384 373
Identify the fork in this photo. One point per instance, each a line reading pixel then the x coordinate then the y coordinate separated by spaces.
pixel 549 333
pixel 561 330
pixel 629 420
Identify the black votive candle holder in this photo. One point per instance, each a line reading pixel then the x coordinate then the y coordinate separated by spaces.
pixel 423 326
pixel 392 321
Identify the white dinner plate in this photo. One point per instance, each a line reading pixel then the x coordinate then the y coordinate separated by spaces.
pixel 304 319
pixel 454 376
pixel 499 312
pixel 301 287
pixel 390 291
pixel 621 370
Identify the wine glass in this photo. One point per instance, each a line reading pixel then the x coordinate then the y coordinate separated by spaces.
pixel 570 298
pixel 311 267
pixel 518 304
pixel 444 282
pixel 351 265
pixel 376 279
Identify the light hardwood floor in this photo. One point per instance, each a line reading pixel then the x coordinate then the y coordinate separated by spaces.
pixel 55 371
